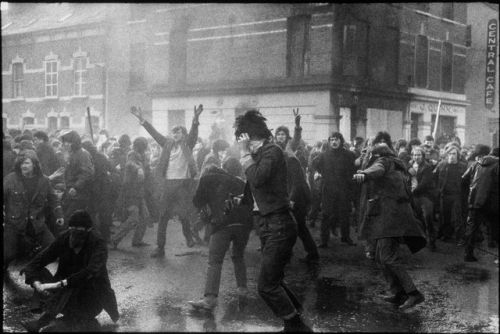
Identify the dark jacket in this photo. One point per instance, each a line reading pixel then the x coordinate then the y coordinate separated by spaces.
pixel 48 158
pixel 214 188
pixel 79 173
pixel 19 208
pixel 167 143
pixel 118 158
pixel 93 271
pixel 133 187
pixel 267 180
pixel 441 175
pixel 388 212
pixel 425 181
pixel 298 189
pixel 482 178
pixel 336 167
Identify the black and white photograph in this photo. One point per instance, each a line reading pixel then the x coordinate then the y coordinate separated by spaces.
pixel 250 167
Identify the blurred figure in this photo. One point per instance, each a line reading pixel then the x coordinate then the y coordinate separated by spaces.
pixel 80 288
pixel 8 157
pixel 45 152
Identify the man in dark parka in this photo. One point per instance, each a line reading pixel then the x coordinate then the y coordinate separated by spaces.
pixel 389 219
pixel 80 288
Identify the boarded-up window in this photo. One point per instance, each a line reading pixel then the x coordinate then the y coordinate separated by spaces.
pixel 434 65
pixel 447 62
pixel 421 61
pixel 298 45
pixel 458 74
pixel 137 64
pixel 406 59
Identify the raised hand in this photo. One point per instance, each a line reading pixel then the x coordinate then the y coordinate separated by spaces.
pixel 197 111
pixel 297 116
pixel 137 113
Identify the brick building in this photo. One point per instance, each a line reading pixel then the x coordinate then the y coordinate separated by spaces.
pixel 481 116
pixel 52 66
pixel 359 68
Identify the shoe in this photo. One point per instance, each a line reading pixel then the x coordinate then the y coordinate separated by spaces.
pixel 412 301
pixel 206 303
pixel 398 298
pixel 348 241
pixel 310 259
pixel 470 258
pixel 159 252
pixel 140 244
pixel 296 324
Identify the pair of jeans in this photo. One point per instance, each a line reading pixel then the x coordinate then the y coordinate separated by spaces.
pixel 218 246
pixel 388 256
pixel 475 218
pixel 451 216
pixel 278 233
pixel 304 234
pixel 137 218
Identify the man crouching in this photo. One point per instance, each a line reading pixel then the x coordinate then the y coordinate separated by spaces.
pixel 80 289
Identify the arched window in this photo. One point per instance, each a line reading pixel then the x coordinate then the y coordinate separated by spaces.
pixel 28 121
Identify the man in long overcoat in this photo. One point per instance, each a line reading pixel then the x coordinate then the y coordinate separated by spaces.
pixel 389 219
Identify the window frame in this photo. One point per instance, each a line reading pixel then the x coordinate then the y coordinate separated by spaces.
pixel 443 64
pixel 54 84
pixel 79 74
pixel 416 68
pixel 17 84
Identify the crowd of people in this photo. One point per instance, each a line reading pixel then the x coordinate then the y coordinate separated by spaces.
pixel 64 190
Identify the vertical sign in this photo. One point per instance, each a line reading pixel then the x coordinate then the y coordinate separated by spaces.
pixel 491 63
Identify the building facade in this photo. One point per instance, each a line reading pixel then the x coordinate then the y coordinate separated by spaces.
pixel 482 83
pixel 357 68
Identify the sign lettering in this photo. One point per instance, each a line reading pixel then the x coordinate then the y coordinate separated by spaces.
pixel 491 63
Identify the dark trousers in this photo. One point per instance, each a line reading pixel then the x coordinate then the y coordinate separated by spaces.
pixel 450 213
pixel 103 220
pixel 388 256
pixel 475 218
pixel 176 199
pixel 427 207
pixel 278 233
pixel 219 244
pixel 304 234
pixel 16 243
pixel 338 215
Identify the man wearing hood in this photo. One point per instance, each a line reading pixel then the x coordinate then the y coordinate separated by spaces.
pixel 80 288
pixel 336 166
pixel 482 178
pixel 78 174
pixel 293 144
pixel 388 219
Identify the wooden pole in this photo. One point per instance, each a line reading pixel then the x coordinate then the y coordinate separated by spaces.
pixel 437 121
pixel 90 125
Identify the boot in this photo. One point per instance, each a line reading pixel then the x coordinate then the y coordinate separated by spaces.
pixel 414 298
pixel 296 324
pixel 207 303
pixel 158 252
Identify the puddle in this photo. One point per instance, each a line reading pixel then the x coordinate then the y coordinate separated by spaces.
pixel 468 274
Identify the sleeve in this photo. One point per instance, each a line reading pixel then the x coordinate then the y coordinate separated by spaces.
pixel 53 201
pixel 50 254
pixel 426 183
pixel 259 173
pixel 158 137
pixel 297 136
pixel 130 172
pixel 316 163
pixel 86 171
pixel 193 134
pixel 201 195
pixel 96 262
pixel 376 170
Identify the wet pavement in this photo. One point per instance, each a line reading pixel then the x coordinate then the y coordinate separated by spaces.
pixel 341 295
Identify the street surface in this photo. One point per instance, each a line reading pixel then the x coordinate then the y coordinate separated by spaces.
pixel 341 296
